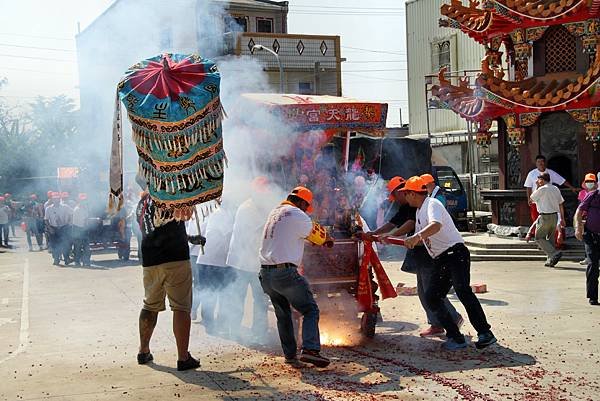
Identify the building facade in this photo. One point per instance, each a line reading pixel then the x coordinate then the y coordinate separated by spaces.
pixel 132 30
pixel 538 82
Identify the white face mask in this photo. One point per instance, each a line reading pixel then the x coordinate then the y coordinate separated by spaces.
pixel 590 185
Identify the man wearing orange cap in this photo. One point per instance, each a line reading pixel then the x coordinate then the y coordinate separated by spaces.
pixel 589 233
pixel 403 221
pixel 433 189
pixel 416 260
pixel 34 217
pixel 288 225
pixel 436 230
pixel 58 218
pixel 81 241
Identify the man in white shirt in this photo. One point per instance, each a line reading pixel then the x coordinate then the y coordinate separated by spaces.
pixel 549 203
pixel 58 218
pixel 243 256
pixel 81 241
pixel 532 176
pixel 214 277
pixel 436 230
pixel 281 253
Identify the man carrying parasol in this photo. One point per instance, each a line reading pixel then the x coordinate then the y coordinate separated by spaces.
pixel 173 104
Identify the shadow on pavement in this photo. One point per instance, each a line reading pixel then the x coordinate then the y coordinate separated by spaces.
pixel 218 381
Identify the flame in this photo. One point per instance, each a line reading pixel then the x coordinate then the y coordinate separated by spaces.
pixel 332 339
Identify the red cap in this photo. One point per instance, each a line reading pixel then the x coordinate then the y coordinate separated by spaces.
pixel 1 198
pixel 260 184
pixel 590 177
pixel 306 195
pixel 415 184
pixel 394 184
pixel 427 179
pixel 82 196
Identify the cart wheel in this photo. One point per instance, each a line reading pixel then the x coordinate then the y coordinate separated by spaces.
pixel 367 324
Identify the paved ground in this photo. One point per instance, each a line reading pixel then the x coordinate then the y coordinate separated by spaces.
pixel 71 334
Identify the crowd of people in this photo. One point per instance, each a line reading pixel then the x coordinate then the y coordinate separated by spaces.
pixel 62 225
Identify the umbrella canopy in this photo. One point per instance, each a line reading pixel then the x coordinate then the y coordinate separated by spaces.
pixel 173 104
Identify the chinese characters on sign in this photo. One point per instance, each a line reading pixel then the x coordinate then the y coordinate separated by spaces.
pixel 336 115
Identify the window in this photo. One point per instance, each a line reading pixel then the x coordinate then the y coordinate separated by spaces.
pixel 236 24
pixel 304 88
pixel 264 25
pixel 561 50
pixel 441 55
pixel 448 181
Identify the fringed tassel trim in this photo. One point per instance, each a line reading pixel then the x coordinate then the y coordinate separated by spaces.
pixel 203 131
pixel 115 203
pixel 178 181
pixel 163 215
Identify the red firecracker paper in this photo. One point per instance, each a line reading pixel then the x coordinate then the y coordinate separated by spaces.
pixel 364 292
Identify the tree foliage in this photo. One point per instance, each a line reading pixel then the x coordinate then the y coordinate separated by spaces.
pixel 36 141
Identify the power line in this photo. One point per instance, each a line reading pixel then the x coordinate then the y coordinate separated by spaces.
pixel 374 51
pixel 34 36
pixel 313 6
pixel 40 71
pixel 38 58
pixel 371 70
pixel 38 48
pixel 374 61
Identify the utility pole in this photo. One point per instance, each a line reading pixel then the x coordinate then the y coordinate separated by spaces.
pixel 317 90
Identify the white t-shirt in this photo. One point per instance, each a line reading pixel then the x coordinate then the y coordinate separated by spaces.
pixel 58 215
pixel 283 236
pixel 218 234
pixel 555 178
pixel 80 216
pixel 4 214
pixel 432 210
pixel 547 199
pixel 247 233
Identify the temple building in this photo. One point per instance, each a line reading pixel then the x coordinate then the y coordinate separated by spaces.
pixel 538 81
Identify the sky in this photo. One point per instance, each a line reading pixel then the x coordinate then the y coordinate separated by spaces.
pixel 37 46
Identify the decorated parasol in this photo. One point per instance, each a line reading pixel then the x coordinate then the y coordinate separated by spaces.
pixel 172 101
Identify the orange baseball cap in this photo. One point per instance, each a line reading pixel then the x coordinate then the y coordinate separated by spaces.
pixel 394 184
pixel 306 195
pixel 427 179
pixel 260 184
pixel 415 184
pixel 590 177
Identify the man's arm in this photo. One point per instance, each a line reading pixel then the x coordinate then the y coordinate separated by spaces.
pixel 562 214
pixel 430 229
pixel 386 228
pixel 578 223
pixel 529 191
pixel 405 228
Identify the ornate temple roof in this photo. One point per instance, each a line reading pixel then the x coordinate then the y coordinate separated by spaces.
pixel 492 17
pixel 492 96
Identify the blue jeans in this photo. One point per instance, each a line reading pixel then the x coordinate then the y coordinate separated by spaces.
pixel 286 287
pixel 424 277
pixel 592 252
